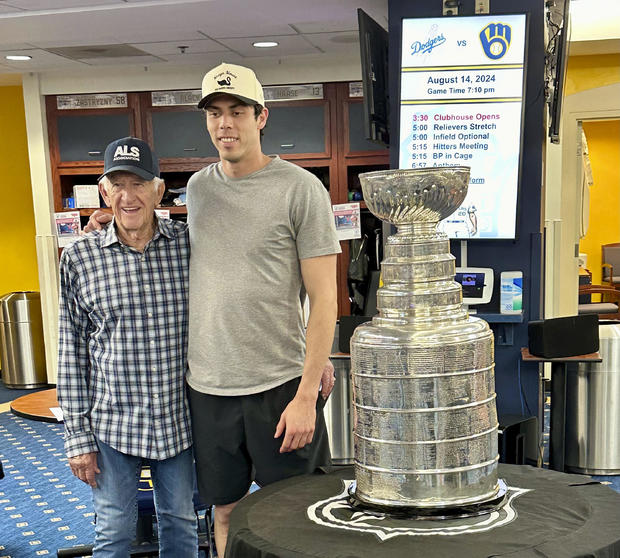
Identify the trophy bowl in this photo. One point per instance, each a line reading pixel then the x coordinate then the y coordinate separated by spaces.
pixel 403 196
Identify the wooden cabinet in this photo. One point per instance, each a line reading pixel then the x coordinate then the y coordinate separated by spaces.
pixel 78 136
pixel 84 137
pixel 356 155
pixel 356 140
pixel 298 128
pixel 322 135
pixel 178 134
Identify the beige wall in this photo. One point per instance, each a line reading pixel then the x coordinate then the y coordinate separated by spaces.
pixel 592 93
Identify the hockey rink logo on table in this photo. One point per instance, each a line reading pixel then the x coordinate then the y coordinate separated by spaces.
pixel 336 512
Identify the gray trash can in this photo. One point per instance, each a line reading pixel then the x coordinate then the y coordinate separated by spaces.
pixel 337 413
pixel 593 409
pixel 21 340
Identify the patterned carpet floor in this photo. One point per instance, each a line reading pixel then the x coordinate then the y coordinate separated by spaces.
pixel 43 507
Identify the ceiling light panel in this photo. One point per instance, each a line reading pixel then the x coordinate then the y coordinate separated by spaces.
pixel 288 45
pixel 41 60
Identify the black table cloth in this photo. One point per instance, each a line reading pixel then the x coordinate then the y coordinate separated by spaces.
pixel 551 514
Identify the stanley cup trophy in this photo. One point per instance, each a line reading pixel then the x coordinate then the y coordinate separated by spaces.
pixel 425 419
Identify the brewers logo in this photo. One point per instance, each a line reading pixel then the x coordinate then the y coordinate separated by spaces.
pixel 495 39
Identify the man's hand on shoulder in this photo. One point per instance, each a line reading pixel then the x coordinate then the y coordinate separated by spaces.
pixel 97 221
pixel 84 467
pixel 328 379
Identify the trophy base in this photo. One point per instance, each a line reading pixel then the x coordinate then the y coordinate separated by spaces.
pixel 429 512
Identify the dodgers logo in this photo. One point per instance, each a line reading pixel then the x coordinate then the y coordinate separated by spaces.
pixel 495 39
pixel 418 47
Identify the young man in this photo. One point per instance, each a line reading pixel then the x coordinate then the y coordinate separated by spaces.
pixel 253 389
pixel 122 358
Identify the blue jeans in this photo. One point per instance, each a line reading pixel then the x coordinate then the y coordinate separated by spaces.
pixel 116 505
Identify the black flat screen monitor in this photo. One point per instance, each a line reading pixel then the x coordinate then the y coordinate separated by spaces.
pixel 374 56
pixel 559 61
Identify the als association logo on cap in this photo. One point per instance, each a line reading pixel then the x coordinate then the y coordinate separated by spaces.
pixel 124 152
pixel 130 155
pixel 234 80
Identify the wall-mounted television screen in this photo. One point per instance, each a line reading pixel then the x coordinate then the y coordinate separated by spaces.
pixel 559 60
pixel 462 86
pixel 374 56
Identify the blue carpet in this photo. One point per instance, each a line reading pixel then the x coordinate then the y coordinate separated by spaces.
pixel 43 507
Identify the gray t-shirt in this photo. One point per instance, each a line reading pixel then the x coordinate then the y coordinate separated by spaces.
pixel 247 236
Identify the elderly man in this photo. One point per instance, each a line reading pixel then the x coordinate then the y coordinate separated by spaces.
pixel 123 358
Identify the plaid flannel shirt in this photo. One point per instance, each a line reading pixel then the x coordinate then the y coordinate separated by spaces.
pixel 123 343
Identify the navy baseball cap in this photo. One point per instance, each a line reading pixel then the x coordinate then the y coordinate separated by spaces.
pixel 130 155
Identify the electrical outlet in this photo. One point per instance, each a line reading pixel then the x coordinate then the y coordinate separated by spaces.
pixel 450 7
pixel 482 6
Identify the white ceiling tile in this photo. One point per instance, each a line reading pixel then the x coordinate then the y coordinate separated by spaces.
pixel 159 22
pixel 41 60
pixel 131 35
pixel 232 28
pixel 206 60
pixel 172 47
pixel 47 5
pixel 225 28
pixel 78 40
pixel 121 60
pixel 347 42
pixel 325 26
pixel 17 46
pixel 288 45
pixel 8 9
pixel 207 27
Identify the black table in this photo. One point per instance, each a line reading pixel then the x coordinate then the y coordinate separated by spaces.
pixel 557 423
pixel 559 516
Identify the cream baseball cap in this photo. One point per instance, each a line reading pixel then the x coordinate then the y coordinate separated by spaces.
pixel 233 80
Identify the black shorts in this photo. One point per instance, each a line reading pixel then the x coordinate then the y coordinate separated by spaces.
pixel 234 443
